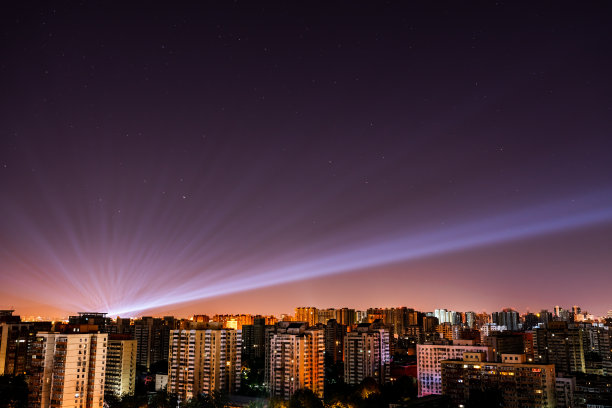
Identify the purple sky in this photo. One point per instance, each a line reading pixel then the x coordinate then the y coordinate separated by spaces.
pixel 236 157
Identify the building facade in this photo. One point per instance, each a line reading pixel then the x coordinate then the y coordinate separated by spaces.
pixel 295 359
pixel 120 365
pixel 367 354
pixel 560 345
pixel 203 360
pixel 430 356
pixel 513 382
pixel 68 370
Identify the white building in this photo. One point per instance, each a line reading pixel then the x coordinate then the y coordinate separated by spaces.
pixel 429 356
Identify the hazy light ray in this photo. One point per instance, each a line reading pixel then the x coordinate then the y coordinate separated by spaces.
pixel 516 226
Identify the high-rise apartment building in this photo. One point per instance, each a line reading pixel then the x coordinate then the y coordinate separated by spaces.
pixel 68 370
pixel 517 383
pixel 254 340
pixel 367 354
pixel 203 360
pixel 323 315
pixel 560 345
pixel 507 318
pixel 596 339
pixel 153 338
pixel 307 314
pixel 334 341
pixel 120 365
pixel 430 356
pixel 295 359
pixel 346 316
pixel 15 339
pixel 448 316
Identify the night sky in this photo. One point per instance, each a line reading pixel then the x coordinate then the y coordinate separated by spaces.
pixel 242 157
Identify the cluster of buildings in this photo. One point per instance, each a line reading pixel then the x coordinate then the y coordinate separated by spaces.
pixel 548 359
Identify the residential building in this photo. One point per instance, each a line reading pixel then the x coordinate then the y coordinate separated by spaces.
pixel 513 381
pixel 367 354
pixel 294 359
pixel 306 314
pixel 203 360
pixel 68 369
pixel 120 365
pixel 560 345
pixel 334 341
pixel 430 355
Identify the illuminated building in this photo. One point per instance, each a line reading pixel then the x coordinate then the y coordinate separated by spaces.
pixel 515 382
pixel 507 318
pixel 200 318
pixel 233 321
pixel 15 339
pixel 68 370
pixel 470 319
pixel 203 360
pixel 447 316
pixel 400 317
pixel 429 356
pixel 560 345
pixel 120 365
pixel 334 340
pixel 306 314
pixel 346 316
pixel 596 341
pixel 91 318
pixel 323 315
pixel 367 354
pixel 294 359
pixel 445 330
pixel 361 316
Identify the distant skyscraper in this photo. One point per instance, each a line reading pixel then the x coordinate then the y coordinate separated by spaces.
pixel 507 318
pixel 202 361
pixel 307 314
pixel 346 316
pixel 295 359
pixel 470 319
pixel 366 354
pixel 68 370
pixel 120 365
pixel 323 315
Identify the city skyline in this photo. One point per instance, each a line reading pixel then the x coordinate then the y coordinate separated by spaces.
pixel 252 158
